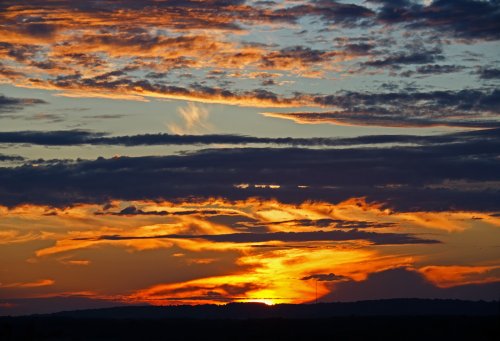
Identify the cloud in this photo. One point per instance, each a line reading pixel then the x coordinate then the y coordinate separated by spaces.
pixel 404 58
pixel 171 37
pixel 50 138
pixel 134 51
pixel 376 238
pixel 335 223
pixel 331 12
pixel 301 59
pixel 331 277
pixel 217 292
pixel 463 108
pixel 433 69
pixel 131 89
pixel 195 120
pixel 11 104
pixel 133 211
pixel 450 276
pixel 35 284
pixel 104 53
pixel 83 137
pixel 438 176
pixel 464 19
pixel 4 157
pixel 489 73
pixel 407 283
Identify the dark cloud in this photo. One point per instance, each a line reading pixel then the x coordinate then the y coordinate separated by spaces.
pixel 325 277
pixel 336 223
pixel 9 72
pixel 11 104
pixel 52 138
pixel 438 69
pixel 395 3
pixel 105 117
pixel 422 56
pixel 359 48
pixel 254 225
pixel 337 12
pixel 331 12
pixel 433 69
pixel 132 211
pixel 406 283
pixel 40 29
pixel 130 86
pixel 18 52
pixel 223 292
pixel 325 222
pixel 4 157
pixel 81 137
pixel 489 73
pixel 176 14
pixel 407 109
pixel 299 54
pixel 376 238
pixel 465 19
pixel 438 176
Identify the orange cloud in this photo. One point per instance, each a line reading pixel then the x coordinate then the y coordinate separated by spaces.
pixel 268 271
pixel 47 45
pixel 453 275
pixel 35 284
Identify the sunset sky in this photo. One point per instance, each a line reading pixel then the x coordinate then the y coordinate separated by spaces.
pixel 190 152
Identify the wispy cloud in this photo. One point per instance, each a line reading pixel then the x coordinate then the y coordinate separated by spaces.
pixel 35 284
pixel 194 120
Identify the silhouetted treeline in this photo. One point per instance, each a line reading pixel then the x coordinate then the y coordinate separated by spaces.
pixel 393 307
pixel 400 328
pixel 403 319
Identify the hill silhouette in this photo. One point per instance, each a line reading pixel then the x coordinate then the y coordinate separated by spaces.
pixel 392 307
pixel 396 319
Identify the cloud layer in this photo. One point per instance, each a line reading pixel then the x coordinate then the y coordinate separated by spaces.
pixel 453 172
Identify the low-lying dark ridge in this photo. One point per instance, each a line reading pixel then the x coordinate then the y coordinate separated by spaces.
pixel 393 307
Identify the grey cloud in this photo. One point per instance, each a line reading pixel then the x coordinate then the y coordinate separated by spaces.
pixel 82 137
pixel 433 69
pixel 12 104
pixel 4 157
pixel 132 211
pixel 331 277
pixel 376 238
pixel 402 282
pixel 489 73
pixel 413 57
pixel 408 109
pixel 464 19
pixel 404 178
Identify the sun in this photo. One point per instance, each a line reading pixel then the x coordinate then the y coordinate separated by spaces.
pixel 266 301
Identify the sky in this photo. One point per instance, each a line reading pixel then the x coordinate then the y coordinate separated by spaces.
pixel 207 152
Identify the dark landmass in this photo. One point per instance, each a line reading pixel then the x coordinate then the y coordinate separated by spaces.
pixel 339 328
pixel 394 307
pixel 401 319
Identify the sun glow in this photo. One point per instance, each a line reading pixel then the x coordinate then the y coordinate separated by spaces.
pixel 266 301
pixel 219 271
